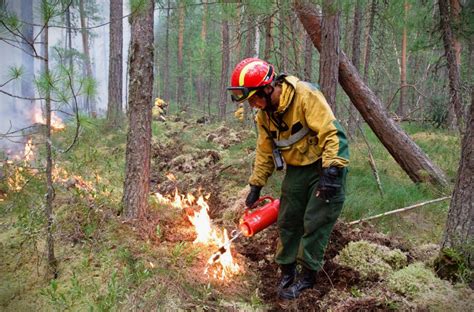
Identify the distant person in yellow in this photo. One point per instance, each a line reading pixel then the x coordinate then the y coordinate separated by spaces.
pixel 159 110
pixel 239 113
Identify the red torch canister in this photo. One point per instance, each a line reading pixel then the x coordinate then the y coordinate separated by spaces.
pixel 254 221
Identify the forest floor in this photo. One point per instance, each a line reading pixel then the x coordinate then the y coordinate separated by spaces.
pixel 107 265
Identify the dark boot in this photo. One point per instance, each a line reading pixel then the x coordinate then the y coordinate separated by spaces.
pixel 306 280
pixel 288 274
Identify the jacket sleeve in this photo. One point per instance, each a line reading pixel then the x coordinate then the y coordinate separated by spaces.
pixel 263 165
pixel 331 138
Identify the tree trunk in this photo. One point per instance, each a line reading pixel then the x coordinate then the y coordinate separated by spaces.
pixel 403 67
pixel 27 78
pixel 455 107
pixel 89 101
pixel 114 108
pixel 251 35
pixel 224 70
pixel 368 40
pixel 200 78
pixel 329 64
pixel 456 18
pixel 268 37
pixel 180 80
pixel 166 71
pixel 356 34
pixel 52 262
pixel 308 58
pixel 407 154
pixel 282 46
pixel 137 166
pixel 459 231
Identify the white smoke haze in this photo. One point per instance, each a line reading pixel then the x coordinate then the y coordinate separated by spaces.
pixel 18 113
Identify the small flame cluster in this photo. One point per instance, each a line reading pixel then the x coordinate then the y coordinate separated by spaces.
pixel 206 233
pixel 56 122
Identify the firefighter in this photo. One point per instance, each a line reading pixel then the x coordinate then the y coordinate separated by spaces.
pixel 239 113
pixel 296 130
pixel 158 109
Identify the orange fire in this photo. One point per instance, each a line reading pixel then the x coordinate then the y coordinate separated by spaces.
pixel 206 233
pixel 56 122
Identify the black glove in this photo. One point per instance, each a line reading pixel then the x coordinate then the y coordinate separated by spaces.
pixel 330 183
pixel 253 195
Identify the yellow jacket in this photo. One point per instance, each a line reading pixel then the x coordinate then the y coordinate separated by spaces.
pixel 304 111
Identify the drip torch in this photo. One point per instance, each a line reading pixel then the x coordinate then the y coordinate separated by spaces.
pixel 251 223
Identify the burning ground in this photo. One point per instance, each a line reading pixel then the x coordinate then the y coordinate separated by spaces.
pixel 164 262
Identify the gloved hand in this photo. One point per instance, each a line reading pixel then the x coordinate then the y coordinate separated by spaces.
pixel 330 183
pixel 253 195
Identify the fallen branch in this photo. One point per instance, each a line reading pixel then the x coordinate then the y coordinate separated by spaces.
pixel 400 210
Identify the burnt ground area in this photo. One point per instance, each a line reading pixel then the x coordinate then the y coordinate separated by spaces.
pixel 259 251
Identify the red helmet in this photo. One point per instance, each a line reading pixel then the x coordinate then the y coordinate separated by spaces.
pixel 248 76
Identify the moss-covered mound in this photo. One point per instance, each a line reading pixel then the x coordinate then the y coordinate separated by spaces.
pixel 371 260
pixel 420 284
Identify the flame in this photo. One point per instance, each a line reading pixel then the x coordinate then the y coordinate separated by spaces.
pixel 206 233
pixel 29 152
pixel 56 122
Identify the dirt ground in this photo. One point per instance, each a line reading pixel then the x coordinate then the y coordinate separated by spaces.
pixel 259 252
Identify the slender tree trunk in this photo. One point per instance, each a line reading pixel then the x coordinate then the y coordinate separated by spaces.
pixel 356 37
pixel 268 37
pixel 52 262
pixel 138 153
pixel 114 108
pixel 27 79
pixel 368 40
pixel 329 64
pixel 456 19
pixel 459 231
pixel 455 109
pixel 90 103
pixel 166 71
pixel 403 67
pixel 202 53
pixel 308 58
pixel 224 69
pixel 251 35
pixel 282 47
pixel 180 82
pixel 407 154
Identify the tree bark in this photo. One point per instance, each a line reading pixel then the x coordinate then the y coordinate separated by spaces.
pixel 308 58
pixel 268 37
pixel 459 231
pixel 200 79
pixel 114 108
pixel 455 108
pixel 368 40
pixel 224 70
pixel 329 64
pixel 180 82
pixel 52 262
pixel 402 148
pixel 456 18
pixel 138 153
pixel 356 34
pixel 90 102
pixel 166 71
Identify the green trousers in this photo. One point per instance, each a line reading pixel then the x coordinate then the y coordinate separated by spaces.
pixel 305 222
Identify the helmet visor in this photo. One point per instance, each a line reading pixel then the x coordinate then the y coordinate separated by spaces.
pixel 240 94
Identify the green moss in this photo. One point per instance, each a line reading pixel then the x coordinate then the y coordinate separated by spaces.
pixel 370 259
pixel 420 284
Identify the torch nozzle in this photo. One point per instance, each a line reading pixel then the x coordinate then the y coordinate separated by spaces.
pixel 223 248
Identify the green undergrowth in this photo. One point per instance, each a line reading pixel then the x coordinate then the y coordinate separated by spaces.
pixel 106 265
